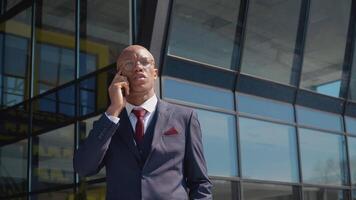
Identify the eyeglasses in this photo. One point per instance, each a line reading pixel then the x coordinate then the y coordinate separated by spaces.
pixel 129 65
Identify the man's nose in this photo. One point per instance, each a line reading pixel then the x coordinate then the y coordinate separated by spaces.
pixel 138 66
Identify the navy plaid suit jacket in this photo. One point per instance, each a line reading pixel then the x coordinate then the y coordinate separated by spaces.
pixel 173 169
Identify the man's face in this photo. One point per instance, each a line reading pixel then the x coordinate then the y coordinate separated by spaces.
pixel 137 64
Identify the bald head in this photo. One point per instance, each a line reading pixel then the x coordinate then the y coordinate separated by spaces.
pixel 131 51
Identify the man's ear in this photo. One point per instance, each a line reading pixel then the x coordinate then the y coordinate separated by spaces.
pixel 156 73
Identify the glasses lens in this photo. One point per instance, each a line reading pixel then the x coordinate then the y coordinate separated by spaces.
pixel 145 63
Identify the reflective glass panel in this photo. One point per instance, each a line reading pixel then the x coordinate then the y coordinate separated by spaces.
pixel 14 58
pixel 350 125
pixel 11 4
pixel 323 157
pixel 54 108
pixel 13 168
pixel 84 127
pixel 226 190
pixel 14 123
pixel 52 155
pixel 264 107
pixel 352 157
pixel 271 31
pixel 55 43
pixel 104 31
pixel 325 46
pixel 93 191
pixel 266 158
pixel 269 192
pixel 219 141
pixel 324 194
pixel 319 119
pixel 67 194
pixel 197 93
pixel 87 89
pixel 204 30
pixel 93 92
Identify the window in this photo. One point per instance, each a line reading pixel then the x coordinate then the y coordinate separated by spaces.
pixel 219 142
pixel 197 93
pixel 226 190
pixel 54 108
pixel 14 58
pixel 325 46
pixel 55 43
pixel 257 106
pixel 204 30
pixel 271 192
pixel 104 31
pixel 52 155
pixel 352 157
pixel 319 119
pixel 268 151
pixel 13 168
pixel 271 31
pixel 325 194
pixel 323 157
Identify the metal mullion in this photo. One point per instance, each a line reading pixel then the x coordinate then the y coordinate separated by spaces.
pixel 237 140
pixel 31 84
pixel 239 39
pixel 300 43
pixel 269 182
pixel 2 104
pixel 2 6
pixel 266 119
pixel 236 65
pixel 348 163
pixel 326 186
pixel 298 153
pixel 160 32
pixel 77 84
pixel 132 22
pixel 200 106
pixel 326 131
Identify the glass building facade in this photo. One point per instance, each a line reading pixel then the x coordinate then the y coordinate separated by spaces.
pixel 273 83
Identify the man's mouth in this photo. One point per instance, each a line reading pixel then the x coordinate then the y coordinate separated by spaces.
pixel 139 77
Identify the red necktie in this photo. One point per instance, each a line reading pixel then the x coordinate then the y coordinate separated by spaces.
pixel 139 113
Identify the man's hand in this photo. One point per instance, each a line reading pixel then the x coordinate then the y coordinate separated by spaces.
pixel 118 101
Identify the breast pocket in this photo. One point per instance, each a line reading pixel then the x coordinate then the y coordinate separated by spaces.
pixel 174 143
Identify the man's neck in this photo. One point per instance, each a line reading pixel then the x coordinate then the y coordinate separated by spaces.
pixel 139 99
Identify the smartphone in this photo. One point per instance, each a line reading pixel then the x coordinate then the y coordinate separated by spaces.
pixel 123 91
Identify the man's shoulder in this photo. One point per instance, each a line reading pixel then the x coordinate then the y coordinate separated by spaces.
pixel 177 109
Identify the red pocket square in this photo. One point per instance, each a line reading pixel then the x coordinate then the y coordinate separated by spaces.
pixel 171 131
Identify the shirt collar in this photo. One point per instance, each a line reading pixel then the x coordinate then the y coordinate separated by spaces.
pixel 149 105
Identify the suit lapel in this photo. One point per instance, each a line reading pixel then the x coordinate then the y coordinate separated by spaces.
pixel 126 133
pixel 163 116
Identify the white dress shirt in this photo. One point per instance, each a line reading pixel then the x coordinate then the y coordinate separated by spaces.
pixel 149 105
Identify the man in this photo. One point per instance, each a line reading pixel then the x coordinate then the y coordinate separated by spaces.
pixel 151 149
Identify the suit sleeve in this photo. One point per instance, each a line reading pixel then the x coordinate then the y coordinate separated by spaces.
pixel 89 157
pixel 194 165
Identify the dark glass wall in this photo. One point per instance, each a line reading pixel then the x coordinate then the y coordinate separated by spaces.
pixel 15 51
pixel 56 61
pixel 265 78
